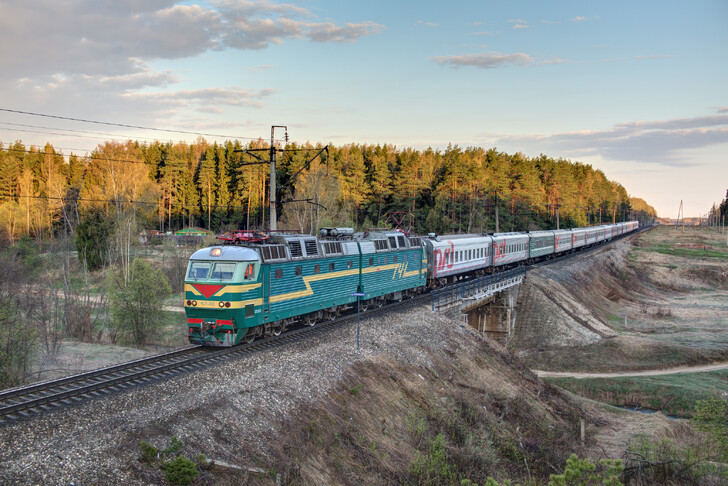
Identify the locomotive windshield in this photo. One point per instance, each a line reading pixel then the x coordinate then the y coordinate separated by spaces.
pixel 211 271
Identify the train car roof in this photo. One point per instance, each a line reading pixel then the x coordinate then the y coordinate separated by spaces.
pixel 228 253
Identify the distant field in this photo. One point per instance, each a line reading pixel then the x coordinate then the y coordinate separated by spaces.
pixel 671 394
pixel 664 298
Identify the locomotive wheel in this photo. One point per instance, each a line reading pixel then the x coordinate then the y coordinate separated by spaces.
pixel 363 306
pixel 277 328
pixel 249 337
pixel 309 320
pixel 331 314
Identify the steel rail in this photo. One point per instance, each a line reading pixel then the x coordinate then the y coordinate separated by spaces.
pixel 34 399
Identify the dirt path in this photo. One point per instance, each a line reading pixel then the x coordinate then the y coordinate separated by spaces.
pixel 669 371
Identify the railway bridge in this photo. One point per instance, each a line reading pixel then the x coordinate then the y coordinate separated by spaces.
pixel 487 303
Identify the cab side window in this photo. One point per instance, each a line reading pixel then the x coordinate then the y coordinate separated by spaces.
pixel 249 271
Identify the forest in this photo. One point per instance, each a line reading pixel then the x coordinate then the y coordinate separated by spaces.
pixel 62 217
pixel 168 186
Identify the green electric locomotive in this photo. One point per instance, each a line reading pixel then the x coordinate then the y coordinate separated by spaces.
pixel 260 284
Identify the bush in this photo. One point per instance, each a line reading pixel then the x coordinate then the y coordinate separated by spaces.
pixel 435 467
pixel 136 301
pixel 180 471
pixel 92 238
pixel 149 452
pixel 584 472
pixel 711 416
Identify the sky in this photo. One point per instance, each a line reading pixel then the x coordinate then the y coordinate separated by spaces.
pixel 637 89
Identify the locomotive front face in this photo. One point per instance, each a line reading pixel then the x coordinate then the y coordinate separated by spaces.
pixel 223 295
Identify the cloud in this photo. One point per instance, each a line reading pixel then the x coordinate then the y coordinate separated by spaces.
pixel 46 37
pixel 203 99
pixel 492 60
pixel 581 18
pixel 660 142
pixel 426 24
pixel 519 24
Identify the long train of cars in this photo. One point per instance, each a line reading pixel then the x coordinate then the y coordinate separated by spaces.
pixel 259 284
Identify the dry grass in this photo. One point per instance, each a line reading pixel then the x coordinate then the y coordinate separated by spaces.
pixel 666 307
pixel 469 416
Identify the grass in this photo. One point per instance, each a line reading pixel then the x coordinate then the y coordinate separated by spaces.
pixel 621 354
pixel 672 394
pixel 694 253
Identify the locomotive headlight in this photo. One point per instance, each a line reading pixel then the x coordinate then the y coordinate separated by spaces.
pixel 227 304
pixel 194 303
pixel 222 304
pixel 189 302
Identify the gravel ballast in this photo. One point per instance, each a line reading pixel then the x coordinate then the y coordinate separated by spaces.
pixel 213 410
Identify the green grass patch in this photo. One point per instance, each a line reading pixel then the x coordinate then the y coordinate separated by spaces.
pixel 672 394
pixel 695 253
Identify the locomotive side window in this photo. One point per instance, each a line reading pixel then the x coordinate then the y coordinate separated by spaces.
pixel 317 268
pixel 349 264
pixel 332 266
pixel 279 273
pixel 395 259
pixel 249 271
pixel 299 270
pixel 371 262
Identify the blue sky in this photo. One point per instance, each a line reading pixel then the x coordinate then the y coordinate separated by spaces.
pixel 636 89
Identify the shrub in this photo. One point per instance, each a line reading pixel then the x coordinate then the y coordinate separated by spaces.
pixel 136 302
pixel 711 416
pixel 180 471
pixel 92 238
pixel 434 467
pixel 149 452
pixel 584 472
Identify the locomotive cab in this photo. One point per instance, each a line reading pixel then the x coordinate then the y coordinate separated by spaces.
pixel 223 295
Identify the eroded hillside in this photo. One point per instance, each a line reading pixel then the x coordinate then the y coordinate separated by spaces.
pixel 654 300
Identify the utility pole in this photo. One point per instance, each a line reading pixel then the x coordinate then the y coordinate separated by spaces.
pixel 273 213
pixel 497 220
pixel 558 205
pixel 681 215
pixel 272 160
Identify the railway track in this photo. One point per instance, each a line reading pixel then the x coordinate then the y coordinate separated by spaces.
pixel 35 399
pixel 28 401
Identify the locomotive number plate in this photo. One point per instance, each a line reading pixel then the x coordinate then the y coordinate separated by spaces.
pixel 207 303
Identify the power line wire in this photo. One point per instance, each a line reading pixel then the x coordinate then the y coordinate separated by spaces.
pixel 123 125
pixel 118 201
pixel 114 137
pixel 87 155
pixel 160 204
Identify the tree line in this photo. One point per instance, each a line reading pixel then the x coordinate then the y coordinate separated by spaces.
pixel 167 186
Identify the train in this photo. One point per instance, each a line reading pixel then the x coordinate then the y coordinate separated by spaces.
pixel 258 284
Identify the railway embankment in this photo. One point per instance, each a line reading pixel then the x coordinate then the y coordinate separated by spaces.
pixel 423 400
pixel 423 397
pixel 658 300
